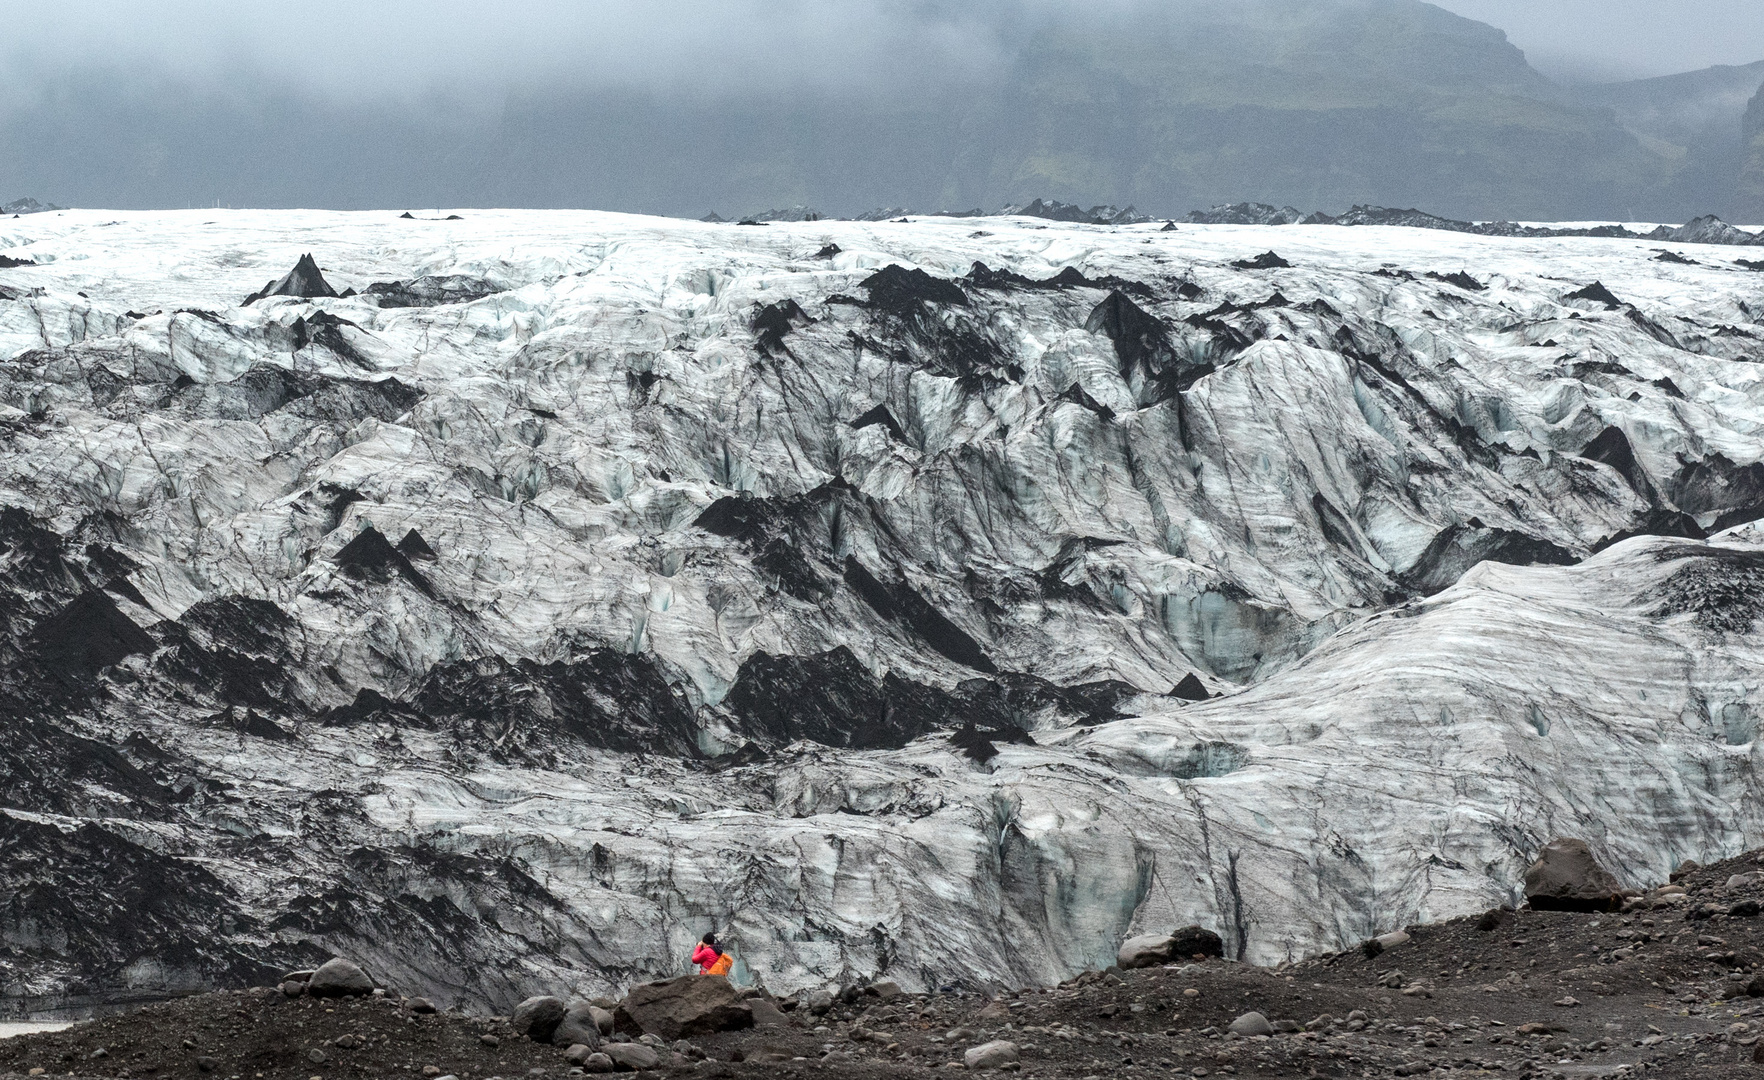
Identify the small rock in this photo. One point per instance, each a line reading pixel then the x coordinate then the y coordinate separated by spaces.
pixel 346 1042
pixel 817 1002
pixel 294 989
pixel 1413 1068
pixel 1251 1024
pixel 431 1070
pixel 578 1054
pixel 598 1063
pixel 1685 868
pixel 338 977
pixel 887 989
pixel 1745 909
pixel 633 1055
pixel 1393 939
pixel 317 1056
pixel 537 1017
pixel 1287 1027
pixel 98 1054
pixel 1191 992
pixel 490 1040
pixel 207 1064
pixel 992 1055
pixel 1568 1002
pixel 420 1005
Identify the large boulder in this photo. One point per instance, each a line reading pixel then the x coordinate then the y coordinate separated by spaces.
pixel 1192 941
pixel 1150 950
pixel 1146 950
pixel 688 1005
pixel 1566 877
pixel 537 1018
pixel 338 977
pixel 578 1026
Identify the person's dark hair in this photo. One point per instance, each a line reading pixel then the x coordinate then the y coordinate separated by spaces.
pixel 710 939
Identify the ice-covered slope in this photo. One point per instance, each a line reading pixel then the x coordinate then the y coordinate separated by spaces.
pixel 584 582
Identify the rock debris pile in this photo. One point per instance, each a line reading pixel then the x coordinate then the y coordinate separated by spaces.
pixel 1672 985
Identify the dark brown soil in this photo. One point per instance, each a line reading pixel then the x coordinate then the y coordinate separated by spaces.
pixel 1659 990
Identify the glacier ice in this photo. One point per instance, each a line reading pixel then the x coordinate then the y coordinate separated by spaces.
pixel 894 598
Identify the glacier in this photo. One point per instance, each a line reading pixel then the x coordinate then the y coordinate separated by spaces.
pixel 943 600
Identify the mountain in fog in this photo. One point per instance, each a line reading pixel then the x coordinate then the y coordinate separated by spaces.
pixel 1314 103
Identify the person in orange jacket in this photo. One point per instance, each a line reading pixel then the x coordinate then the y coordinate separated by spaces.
pixel 710 957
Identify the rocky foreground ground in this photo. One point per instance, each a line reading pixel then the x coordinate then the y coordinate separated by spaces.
pixel 1673 985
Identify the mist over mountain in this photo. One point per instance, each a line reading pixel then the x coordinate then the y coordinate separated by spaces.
pixel 1168 106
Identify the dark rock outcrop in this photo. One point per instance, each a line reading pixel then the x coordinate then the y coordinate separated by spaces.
pixel 424 292
pixel 305 280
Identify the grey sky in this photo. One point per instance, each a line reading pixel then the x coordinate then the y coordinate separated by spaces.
pixel 407 49
pixel 393 49
pixel 1624 39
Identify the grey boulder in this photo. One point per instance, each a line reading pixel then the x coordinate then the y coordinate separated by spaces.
pixel 1147 950
pixel 1251 1024
pixel 537 1017
pixel 633 1055
pixel 603 1019
pixel 578 1026
pixel 1567 877
pixel 990 1055
pixel 688 1005
pixel 338 977
pixel 1150 950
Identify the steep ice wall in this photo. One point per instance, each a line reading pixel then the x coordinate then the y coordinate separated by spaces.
pixel 573 583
